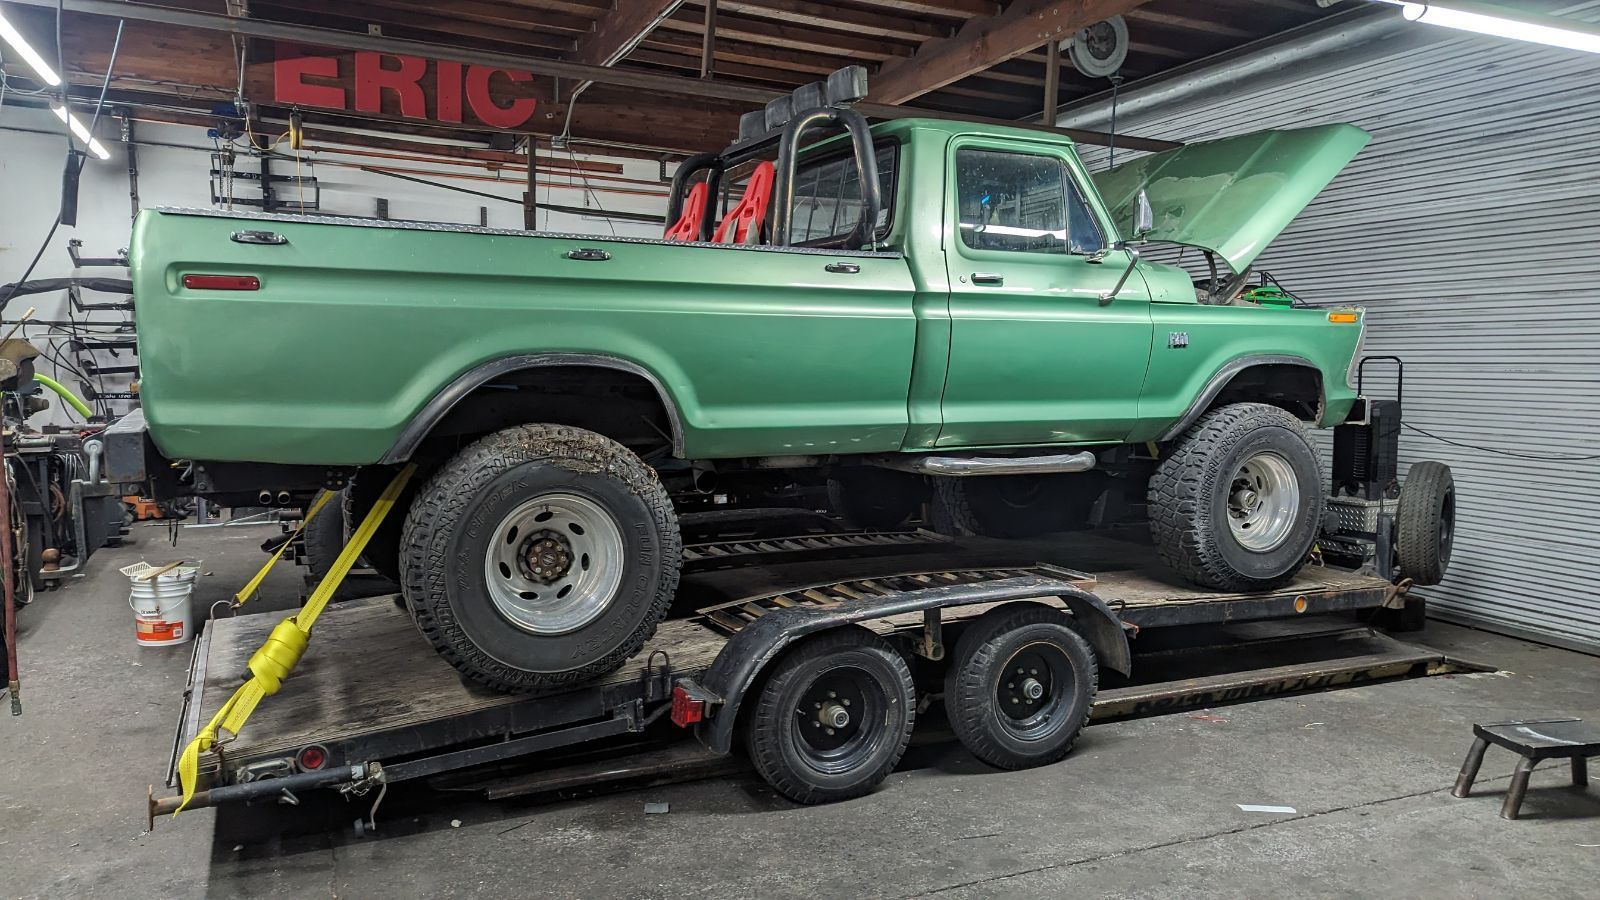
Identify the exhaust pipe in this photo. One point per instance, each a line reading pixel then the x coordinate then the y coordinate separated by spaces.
pixel 968 466
pixel 265 497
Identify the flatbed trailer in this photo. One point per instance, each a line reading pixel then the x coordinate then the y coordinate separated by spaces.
pixel 371 704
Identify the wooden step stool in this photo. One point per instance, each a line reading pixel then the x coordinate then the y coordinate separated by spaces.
pixel 1535 741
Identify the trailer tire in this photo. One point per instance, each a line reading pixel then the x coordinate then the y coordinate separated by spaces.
pixel 876 499
pixel 1018 506
pixel 805 759
pixel 1425 524
pixel 981 692
pixel 520 605
pixel 1241 467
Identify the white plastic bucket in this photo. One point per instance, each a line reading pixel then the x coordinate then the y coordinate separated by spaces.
pixel 162 612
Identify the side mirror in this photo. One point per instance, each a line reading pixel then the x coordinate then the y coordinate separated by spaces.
pixel 1144 218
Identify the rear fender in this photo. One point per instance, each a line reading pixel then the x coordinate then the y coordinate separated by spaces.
pixel 437 408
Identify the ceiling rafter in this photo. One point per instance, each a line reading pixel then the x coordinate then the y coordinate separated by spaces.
pixel 983 42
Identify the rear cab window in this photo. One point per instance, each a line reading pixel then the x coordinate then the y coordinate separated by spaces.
pixel 827 196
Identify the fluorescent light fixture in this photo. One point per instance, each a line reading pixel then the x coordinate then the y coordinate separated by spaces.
pixel 1496 22
pixel 82 131
pixel 28 54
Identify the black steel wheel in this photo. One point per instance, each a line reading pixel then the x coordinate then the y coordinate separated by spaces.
pixel 1020 686
pixel 834 717
pixel 1425 524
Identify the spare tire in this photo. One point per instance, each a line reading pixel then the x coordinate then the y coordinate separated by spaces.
pixel 1425 524
pixel 540 556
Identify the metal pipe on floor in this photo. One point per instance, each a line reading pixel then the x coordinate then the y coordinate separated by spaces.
pixel 13 680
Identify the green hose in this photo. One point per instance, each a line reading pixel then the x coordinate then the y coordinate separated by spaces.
pixel 71 398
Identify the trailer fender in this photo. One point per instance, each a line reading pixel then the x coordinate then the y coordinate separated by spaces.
pixel 747 654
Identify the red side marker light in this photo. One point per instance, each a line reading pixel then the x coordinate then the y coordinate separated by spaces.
pixel 686 710
pixel 222 282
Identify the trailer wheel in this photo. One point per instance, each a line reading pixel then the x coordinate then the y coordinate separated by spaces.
pixel 1238 503
pixel 1425 524
pixel 876 499
pixel 540 556
pixel 1018 506
pixel 833 718
pixel 1019 689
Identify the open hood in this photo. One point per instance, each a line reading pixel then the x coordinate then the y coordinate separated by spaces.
pixel 1232 196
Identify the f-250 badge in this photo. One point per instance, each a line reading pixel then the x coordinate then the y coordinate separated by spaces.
pixel 1177 340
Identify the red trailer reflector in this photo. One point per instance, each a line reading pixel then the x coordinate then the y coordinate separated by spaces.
pixel 312 758
pixel 686 710
pixel 222 282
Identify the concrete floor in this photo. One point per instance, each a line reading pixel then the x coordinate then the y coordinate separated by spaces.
pixel 1142 808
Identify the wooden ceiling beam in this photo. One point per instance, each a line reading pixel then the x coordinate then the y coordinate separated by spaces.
pixel 747 54
pixel 831 17
pixel 410 22
pixel 789 37
pixel 619 31
pixel 983 42
pixel 502 14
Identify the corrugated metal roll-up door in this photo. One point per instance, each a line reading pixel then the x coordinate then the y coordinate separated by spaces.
pixel 1470 229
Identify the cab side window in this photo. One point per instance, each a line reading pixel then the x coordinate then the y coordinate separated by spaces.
pixel 1022 202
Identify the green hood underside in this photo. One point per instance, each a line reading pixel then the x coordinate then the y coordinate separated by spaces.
pixel 1233 196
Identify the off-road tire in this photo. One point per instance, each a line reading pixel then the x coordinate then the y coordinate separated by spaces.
pixel 1188 499
pixel 876 499
pixel 1425 523
pixel 456 512
pixel 976 673
pixel 772 729
pixel 987 505
pixel 324 536
pixel 382 553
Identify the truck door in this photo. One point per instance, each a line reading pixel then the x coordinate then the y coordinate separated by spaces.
pixel 1035 356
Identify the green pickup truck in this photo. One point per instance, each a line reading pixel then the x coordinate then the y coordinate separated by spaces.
pixel 919 314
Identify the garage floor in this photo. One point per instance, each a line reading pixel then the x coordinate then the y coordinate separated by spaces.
pixel 1145 807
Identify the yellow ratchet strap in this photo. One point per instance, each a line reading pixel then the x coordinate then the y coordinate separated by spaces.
pixel 271 664
pixel 248 592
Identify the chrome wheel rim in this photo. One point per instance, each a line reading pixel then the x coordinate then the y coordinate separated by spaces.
pixel 554 563
pixel 1263 501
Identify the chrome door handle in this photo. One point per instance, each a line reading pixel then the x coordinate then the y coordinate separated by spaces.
pixel 843 268
pixel 259 237
pixel 589 254
pixel 993 278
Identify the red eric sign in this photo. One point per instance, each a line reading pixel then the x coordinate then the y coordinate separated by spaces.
pixel 408 86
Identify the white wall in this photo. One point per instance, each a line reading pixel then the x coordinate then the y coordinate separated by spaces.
pixel 30 187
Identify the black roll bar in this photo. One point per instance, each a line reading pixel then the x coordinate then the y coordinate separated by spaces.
pixel 866 159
